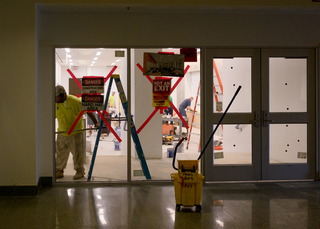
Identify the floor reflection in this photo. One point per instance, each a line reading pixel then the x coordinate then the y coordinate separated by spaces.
pixel 252 205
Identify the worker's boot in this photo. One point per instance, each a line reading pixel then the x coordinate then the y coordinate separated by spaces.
pixel 79 174
pixel 59 174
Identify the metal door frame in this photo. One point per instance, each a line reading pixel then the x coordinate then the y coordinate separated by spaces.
pixel 258 170
pixel 222 172
pixel 287 171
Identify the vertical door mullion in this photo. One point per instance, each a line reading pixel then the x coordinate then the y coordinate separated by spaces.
pixel 257 115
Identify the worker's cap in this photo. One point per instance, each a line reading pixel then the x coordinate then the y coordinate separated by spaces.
pixel 60 90
pixel 113 91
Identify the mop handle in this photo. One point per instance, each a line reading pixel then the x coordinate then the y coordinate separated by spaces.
pixel 235 94
pixel 175 152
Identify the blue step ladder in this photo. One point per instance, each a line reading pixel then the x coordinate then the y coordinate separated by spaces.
pixel 134 134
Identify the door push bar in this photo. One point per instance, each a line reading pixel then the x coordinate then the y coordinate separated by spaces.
pixel 266 119
pixel 256 121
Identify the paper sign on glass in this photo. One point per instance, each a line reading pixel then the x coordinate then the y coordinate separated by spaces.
pixel 93 84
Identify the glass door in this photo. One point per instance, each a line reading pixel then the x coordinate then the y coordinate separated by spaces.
pixel 288 114
pixel 234 153
pixel 269 131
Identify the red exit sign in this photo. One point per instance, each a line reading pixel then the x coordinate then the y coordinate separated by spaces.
pixel 161 86
pixel 190 54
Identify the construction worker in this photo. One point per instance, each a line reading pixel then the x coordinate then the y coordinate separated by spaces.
pixel 111 102
pixel 185 105
pixel 68 108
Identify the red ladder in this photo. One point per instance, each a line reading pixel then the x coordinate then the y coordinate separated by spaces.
pixel 196 100
pixel 192 119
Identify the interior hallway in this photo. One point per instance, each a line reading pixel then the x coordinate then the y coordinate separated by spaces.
pixel 242 205
pixel 111 166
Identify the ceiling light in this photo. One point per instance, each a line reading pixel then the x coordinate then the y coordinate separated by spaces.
pixel 96 58
pixel 118 60
pixel 98 53
pixel 69 56
pixel 67 50
pixel 91 65
pixel 93 62
pixel 113 64
pixel 70 60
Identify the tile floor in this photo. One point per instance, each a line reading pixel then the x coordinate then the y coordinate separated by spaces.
pixel 110 165
pixel 242 205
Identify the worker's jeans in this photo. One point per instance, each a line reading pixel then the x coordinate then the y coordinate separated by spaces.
pixel 74 144
pixel 182 111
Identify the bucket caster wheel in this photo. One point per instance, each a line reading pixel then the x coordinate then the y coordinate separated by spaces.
pixel 198 208
pixel 178 207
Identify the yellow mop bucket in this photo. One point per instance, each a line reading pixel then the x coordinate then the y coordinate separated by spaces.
pixel 187 183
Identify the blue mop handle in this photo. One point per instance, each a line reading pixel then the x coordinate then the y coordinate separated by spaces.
pixel 215 129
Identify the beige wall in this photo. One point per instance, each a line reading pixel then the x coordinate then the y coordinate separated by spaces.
pixel 26 113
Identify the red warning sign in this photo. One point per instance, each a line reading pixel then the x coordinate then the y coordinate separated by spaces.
pixel 190 54
pixel 92 102
pixel 161 86
pixel 93 84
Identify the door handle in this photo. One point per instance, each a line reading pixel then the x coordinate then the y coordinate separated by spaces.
pixel 256 121
pixel 266 119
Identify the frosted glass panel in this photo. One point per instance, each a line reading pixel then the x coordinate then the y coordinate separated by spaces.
pixel 228 74
pixel 288 85
pixel 288 143
pixel 233 144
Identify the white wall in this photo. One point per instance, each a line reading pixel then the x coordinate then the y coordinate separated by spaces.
pixel 151 135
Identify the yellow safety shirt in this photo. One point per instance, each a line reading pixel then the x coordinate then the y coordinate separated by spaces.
pixel 112 99
pixel 67 112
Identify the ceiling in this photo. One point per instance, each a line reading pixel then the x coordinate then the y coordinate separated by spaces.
pixel 87 57
pixel 84 57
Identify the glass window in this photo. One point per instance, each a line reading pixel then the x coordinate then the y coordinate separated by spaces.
pixel 228 74
pixel 288 143
pixel 233 144
pixel 288 85
pixel 159 135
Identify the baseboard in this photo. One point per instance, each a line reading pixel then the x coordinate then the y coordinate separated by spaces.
pixel 25 190
pixel 19 190
pixel 45 182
